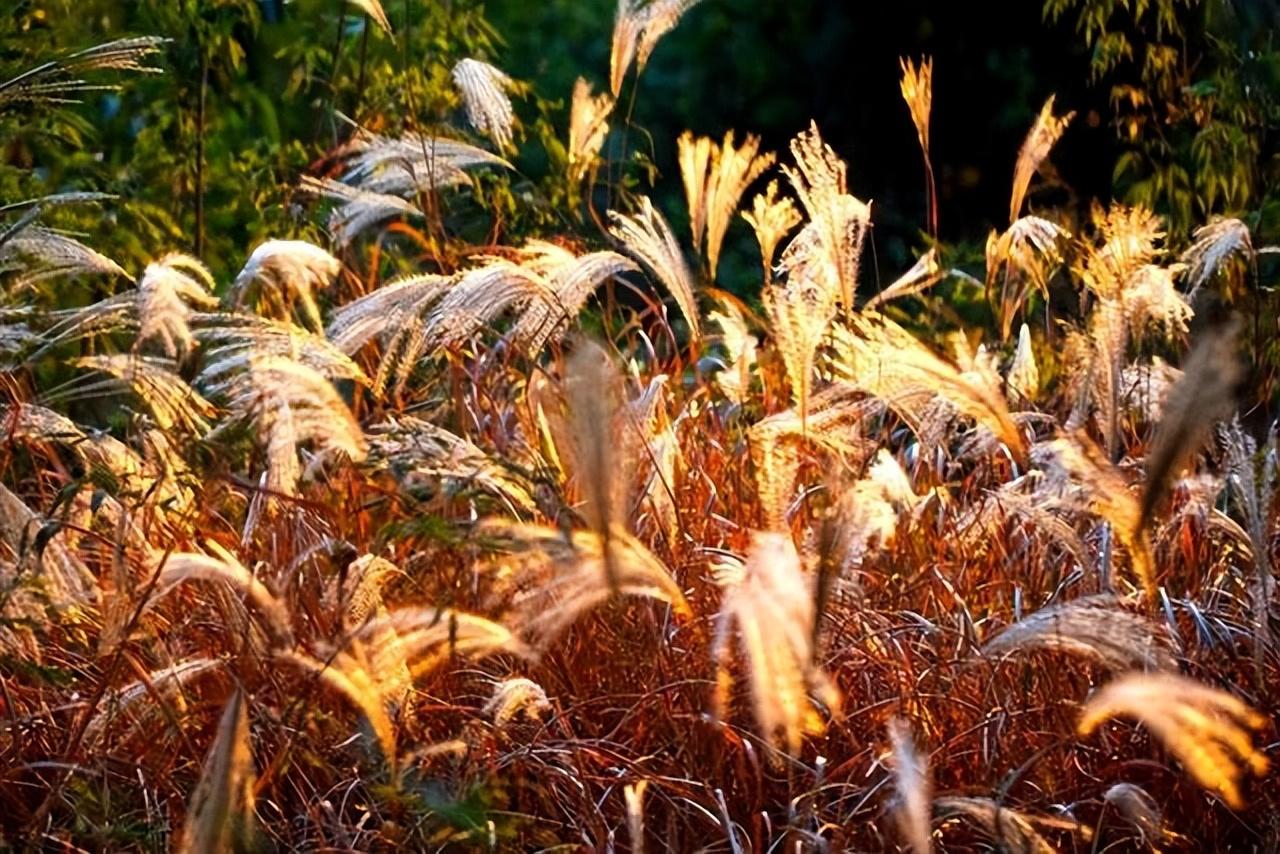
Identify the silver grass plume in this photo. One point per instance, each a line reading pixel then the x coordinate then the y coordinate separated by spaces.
pixel 358 209
pixel 290 404
pixel 1104 491
pixel 220 568
pixel 406 165
pixel 1023 379
pixel 770 602
pixel 172 403
pixel 59 81
pixel 799 312
pixel 1203 396
pixel 164 292
pixel 289 271
pixel 867 513
pixel 38 254
pixel 559 580
pixel 916 86
pixel 914 799
pixel 715 177
pixel 220 816
pixel 348 675
pixel 159 686
pixel 1254 491
pixel 356 594
pixel 740 348
pixel 647 237
pixel 588 127
pixel 1213 246
pixel 661 458
pixel 232 341
pixel 829 247
pixel 395 314
pixel 888 362
pixel 570 280
pixel 638 26
pixel 1144 388
pixel 484 95
pixel 1019 259
pixel 1012 830
pixel 593 392
pixel 778 442
pixel 1094 627
pixel 64 579
pixel 515 698
pixel 1044 134
pixel 1141 811
pixel 772 217
pixel 1205 728
pixel 478 297
pixel 373 8
pixel 924 274
pixel 415 449
pixel 424 638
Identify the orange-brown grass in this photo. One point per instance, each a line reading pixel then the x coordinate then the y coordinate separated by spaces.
pixel 526 589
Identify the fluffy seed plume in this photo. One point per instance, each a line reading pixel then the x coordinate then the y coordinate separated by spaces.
pixel 220 815
pixel 1140 810
pixel 484 95
pixel 1214 245
pixel 1023 379
pixel 167 286
pixel 917 92
pixel 772 217
pixel 60 82
pixel 829 248
pixel 37 254
pixel 715 177
pixel 515 698
pixel 890 363
pixel 396 315
pixel 287 270
pixel 172 403
pixel 638 26
pixel 1205 728
pixel 1104 491
pixel 478 297
pixel 740 348
pixel 1203 396
pixel 1012 830
pixel 924 274
pixel 290 404
pixel 373 8
pixel 417 451
pixel 914 786
pixel 570 280
pixel 647 237
pixel 560 580
pixel 593 390
pixel 588 127
pixel 1094 627
pixel 159 686
pixel 358 209
pixel 770 602
pixel 1044 134
pixel 1020 259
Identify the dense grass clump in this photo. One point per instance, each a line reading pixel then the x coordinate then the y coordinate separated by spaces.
pixel 558 544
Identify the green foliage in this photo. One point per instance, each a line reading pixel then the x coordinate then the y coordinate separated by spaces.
pixel 204 156
pixel 1195 90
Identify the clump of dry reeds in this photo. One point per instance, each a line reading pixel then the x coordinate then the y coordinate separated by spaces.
pixel 338 562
